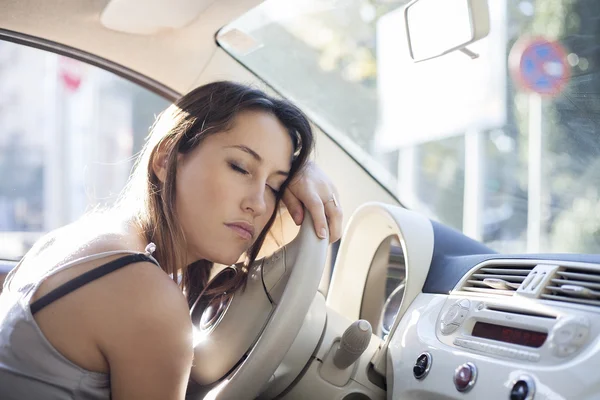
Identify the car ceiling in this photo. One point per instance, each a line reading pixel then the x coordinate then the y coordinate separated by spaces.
pixel 174 58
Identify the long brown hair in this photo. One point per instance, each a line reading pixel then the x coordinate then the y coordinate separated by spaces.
pixel 204 111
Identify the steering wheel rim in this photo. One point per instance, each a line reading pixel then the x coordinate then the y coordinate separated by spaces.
pixel 305 256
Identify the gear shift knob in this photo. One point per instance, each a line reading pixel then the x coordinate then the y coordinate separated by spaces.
pixel 354 342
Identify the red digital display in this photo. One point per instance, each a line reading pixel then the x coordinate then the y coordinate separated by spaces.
pixel 509 334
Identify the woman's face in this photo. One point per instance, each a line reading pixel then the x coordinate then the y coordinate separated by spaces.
pixel 226 187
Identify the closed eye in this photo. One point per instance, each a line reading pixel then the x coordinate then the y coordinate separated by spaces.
pixel 275 191
pixel 242 171
pixel 238 169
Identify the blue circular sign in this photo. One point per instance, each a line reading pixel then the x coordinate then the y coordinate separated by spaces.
pixel 540 66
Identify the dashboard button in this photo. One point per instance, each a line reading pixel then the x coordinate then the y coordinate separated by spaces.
pixel 454 316
pixel 448 328
pixel 565 334
pixel 464 303
pixel 519 391
pixel 473 345
pixel 492 348
pixel 422 365
pixel 581 333
pixel 566 350
pixel 523 389
pixel 451 315
pixel 522 355
pixel 498 350
pixel 568 335
pixel 465 377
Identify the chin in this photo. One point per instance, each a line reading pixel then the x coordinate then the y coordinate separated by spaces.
pixel 226 259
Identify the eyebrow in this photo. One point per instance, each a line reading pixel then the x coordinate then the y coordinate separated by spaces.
pixel 255 155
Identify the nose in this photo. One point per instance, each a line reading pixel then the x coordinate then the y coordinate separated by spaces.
pixel 254 201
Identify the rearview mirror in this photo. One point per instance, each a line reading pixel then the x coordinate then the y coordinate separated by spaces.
pixel 437 27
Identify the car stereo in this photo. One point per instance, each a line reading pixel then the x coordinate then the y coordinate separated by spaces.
pixel 509 334
pixel 504 328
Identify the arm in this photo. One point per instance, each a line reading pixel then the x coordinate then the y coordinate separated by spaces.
pixel 147 340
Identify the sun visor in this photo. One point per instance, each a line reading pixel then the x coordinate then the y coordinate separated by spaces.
pixel 147 17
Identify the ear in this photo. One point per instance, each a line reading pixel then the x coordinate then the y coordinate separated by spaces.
pixel 159 163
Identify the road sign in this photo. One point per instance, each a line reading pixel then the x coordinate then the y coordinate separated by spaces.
pixel 540 66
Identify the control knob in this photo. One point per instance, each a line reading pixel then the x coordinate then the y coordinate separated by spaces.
pixel 465 377
pixel 422 366
pixel 523 388
pixel 568 335
pixel 454 316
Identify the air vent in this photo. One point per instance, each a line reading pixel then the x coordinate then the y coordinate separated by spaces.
pixel 502 279
pixel 579 285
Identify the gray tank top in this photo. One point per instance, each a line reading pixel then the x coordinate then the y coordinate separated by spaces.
pixel 30 367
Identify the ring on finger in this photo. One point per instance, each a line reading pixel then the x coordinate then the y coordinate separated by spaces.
pixel 333 199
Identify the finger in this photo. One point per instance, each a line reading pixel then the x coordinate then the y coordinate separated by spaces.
pixel 335 218
pixel 315 206
pixel 294 206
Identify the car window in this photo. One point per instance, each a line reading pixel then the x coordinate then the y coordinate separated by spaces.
pixel 68 136
pixel 504 147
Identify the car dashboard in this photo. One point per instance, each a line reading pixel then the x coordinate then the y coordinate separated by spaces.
pixel 516 328
pixel 460 321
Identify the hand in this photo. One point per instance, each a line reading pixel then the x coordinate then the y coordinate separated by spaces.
pixel 313 189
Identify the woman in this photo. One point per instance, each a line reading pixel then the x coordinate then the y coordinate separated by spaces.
pixel 87 302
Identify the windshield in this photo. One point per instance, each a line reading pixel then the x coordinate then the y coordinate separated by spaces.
pixel 504 147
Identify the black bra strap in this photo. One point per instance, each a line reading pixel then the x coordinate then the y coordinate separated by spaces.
pixel 86 278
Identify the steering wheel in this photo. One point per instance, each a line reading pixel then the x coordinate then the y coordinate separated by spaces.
pixel 241 338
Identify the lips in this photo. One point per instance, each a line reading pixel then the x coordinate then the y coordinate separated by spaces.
pixel 243 229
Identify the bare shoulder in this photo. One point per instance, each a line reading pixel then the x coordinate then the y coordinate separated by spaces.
pixel 87 236
pixel 139 294
pixel 133 322
pixel 145 334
